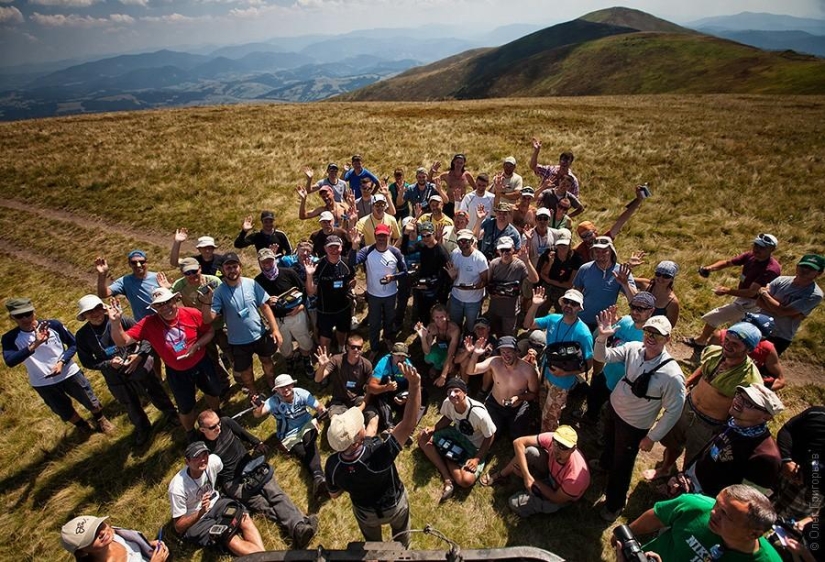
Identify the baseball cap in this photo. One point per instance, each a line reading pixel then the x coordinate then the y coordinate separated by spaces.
pixel 282 381
pixel 333 241
pixel 266 254
pixel 643 299
pixel 188 264
pixel 231 257
pixel 426 226
pixel 763 397
pixel 332 166
pixel 19 305
pixel 400 348
pixel 603 242
pixel 206 242
pixel 344 429
pixel 436 197
pixel 566 436
pixel 194 449
pixel 748 333
pixel 505 342
pixel 80 532
pixel 382 229
pixel 456 382
pixel 528 191
pixel 660 324
pixel 136 254
pixel 766 240
pixel 536 340
pixel 162 295
pixel 87 303
pixel 814 261
pixel 267 215
pixel 585 226
pixel 481 321
pixel 543 212
pixel 574 295
pixel 465 234
pixel 766 324
pixel 326 189
pixel 378 197
pixel 505 242
pixel 510 160
pixel 326 216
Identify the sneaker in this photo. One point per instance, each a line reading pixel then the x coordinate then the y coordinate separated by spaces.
pixel 304 531
pixel 610 516
pixel 319 487
pixel 104 425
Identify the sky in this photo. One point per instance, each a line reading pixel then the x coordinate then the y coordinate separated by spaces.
pixel 50 30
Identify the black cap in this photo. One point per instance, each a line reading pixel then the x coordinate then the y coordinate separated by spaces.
pixel 195 449
pixel 267 215
pixel 456 382
pixel 231 257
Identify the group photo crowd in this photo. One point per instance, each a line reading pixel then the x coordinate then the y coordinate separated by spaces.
pixel 495 304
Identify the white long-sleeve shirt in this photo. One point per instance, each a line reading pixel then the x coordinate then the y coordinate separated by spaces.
pixel 668 382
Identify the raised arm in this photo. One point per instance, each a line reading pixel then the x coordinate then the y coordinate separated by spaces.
pixel 181 235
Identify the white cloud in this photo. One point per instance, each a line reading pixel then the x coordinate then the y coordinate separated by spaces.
pixel 65 3
pixel 121 18
pixel 174 18
pixel 10 15
pixel 70 20
pixel 143 3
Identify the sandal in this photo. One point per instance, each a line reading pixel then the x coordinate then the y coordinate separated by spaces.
pixel 447 491
pixel 491 478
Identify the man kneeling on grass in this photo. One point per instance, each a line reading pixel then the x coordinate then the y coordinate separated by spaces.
pixel 553 469
pixel 198 507
pixel 460 440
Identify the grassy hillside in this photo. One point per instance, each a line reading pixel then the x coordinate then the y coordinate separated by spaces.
pixel 614 51
pixel 721 170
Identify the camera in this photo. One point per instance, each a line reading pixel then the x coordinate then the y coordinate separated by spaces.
pixel 630 546
pixel 645 189
pixel 203 290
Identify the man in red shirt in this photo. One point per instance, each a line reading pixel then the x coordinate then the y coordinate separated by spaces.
pixel 179 335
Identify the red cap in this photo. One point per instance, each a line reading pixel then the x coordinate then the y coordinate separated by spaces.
pixel 382 229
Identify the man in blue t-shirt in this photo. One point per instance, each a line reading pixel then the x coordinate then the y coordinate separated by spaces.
pixel 137 286
pixel 389 387
pixel 560 375
pixel 602 280
pixel 628 329
pixel 244 305
pixel 356 173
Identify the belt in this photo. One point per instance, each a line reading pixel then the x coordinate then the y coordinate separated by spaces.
pixel 707 419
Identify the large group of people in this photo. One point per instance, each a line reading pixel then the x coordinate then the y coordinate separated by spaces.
pixel 500 289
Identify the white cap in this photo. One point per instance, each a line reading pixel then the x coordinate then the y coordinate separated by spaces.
pixel 574 295
pixel 87 303
pixel 659 323
pixel 344 429
pixel 283 380
pixel 326 216
pixel 206 242
pixel 162 295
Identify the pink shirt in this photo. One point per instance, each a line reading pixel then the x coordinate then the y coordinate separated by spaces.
pixel 573 477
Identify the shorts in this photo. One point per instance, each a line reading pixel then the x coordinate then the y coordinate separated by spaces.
pixel 691 432
pixel 295 327
pixel 242 354
pixel 337 320
pixel 730 313
pixel 199 532
pixel 184 383
pixel 58 396
pixel 514 420
pixel 436 357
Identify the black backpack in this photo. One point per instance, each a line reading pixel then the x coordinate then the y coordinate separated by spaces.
pixel 641 383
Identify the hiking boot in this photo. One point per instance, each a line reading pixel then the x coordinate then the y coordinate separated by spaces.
pixel 319 487
pixel 304 531
pixel 104 425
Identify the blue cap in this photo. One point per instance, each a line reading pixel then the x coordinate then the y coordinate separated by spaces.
pixel 764 322
pixel 137 254
pixel 748 333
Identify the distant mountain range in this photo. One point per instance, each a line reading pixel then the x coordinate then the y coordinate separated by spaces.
pixel 613 51
pixel 291 69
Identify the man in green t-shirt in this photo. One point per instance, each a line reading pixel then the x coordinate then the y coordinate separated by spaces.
pixel 699 528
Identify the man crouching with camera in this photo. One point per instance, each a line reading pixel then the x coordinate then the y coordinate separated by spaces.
pixel 653 382
pixel 200 515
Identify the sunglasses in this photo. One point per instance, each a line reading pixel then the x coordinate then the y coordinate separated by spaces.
pixel 569 302
pixel 747 403
pixel 506 250
pixel 137 262
pixel 22 315
pixel 356 347
pixel 464 241
pixel 190 273
pixel 635 308
pixel 655 335
pixel 561 447
pixel 212 427
pixel 664 275
pixel 426 235
pixel 542 218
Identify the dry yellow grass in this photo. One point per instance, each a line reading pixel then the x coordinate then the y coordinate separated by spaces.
pixel 722 168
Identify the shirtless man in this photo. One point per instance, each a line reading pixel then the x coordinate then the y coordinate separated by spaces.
pixel 439 342
pixel 713 385
pixel 338 210
pixel 457 178
pixel 524 211
pixel 515 385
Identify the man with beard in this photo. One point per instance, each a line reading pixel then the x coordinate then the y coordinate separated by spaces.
pixel 565 331
pixel 227 440
pixel 431 278
pixel 347 374
pixel 355 174
pixel 436 216
pixel 267 237
pixel 653 384
pixel 244 305
pixel 554 173
pixel 587 230
pixel 721 371
pixel 507 185
pixel 466 424
pixel 507 274
pixel 287 301
pixel 127 371
pixel 179 336
pixel 515 385
pixel 422 191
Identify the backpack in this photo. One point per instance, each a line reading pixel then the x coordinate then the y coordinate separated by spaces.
pixel 641 383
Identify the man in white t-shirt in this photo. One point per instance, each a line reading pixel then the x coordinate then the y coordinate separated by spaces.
pixel 478 198
pixel 458 443
pixel 197 505
pixel 468 269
